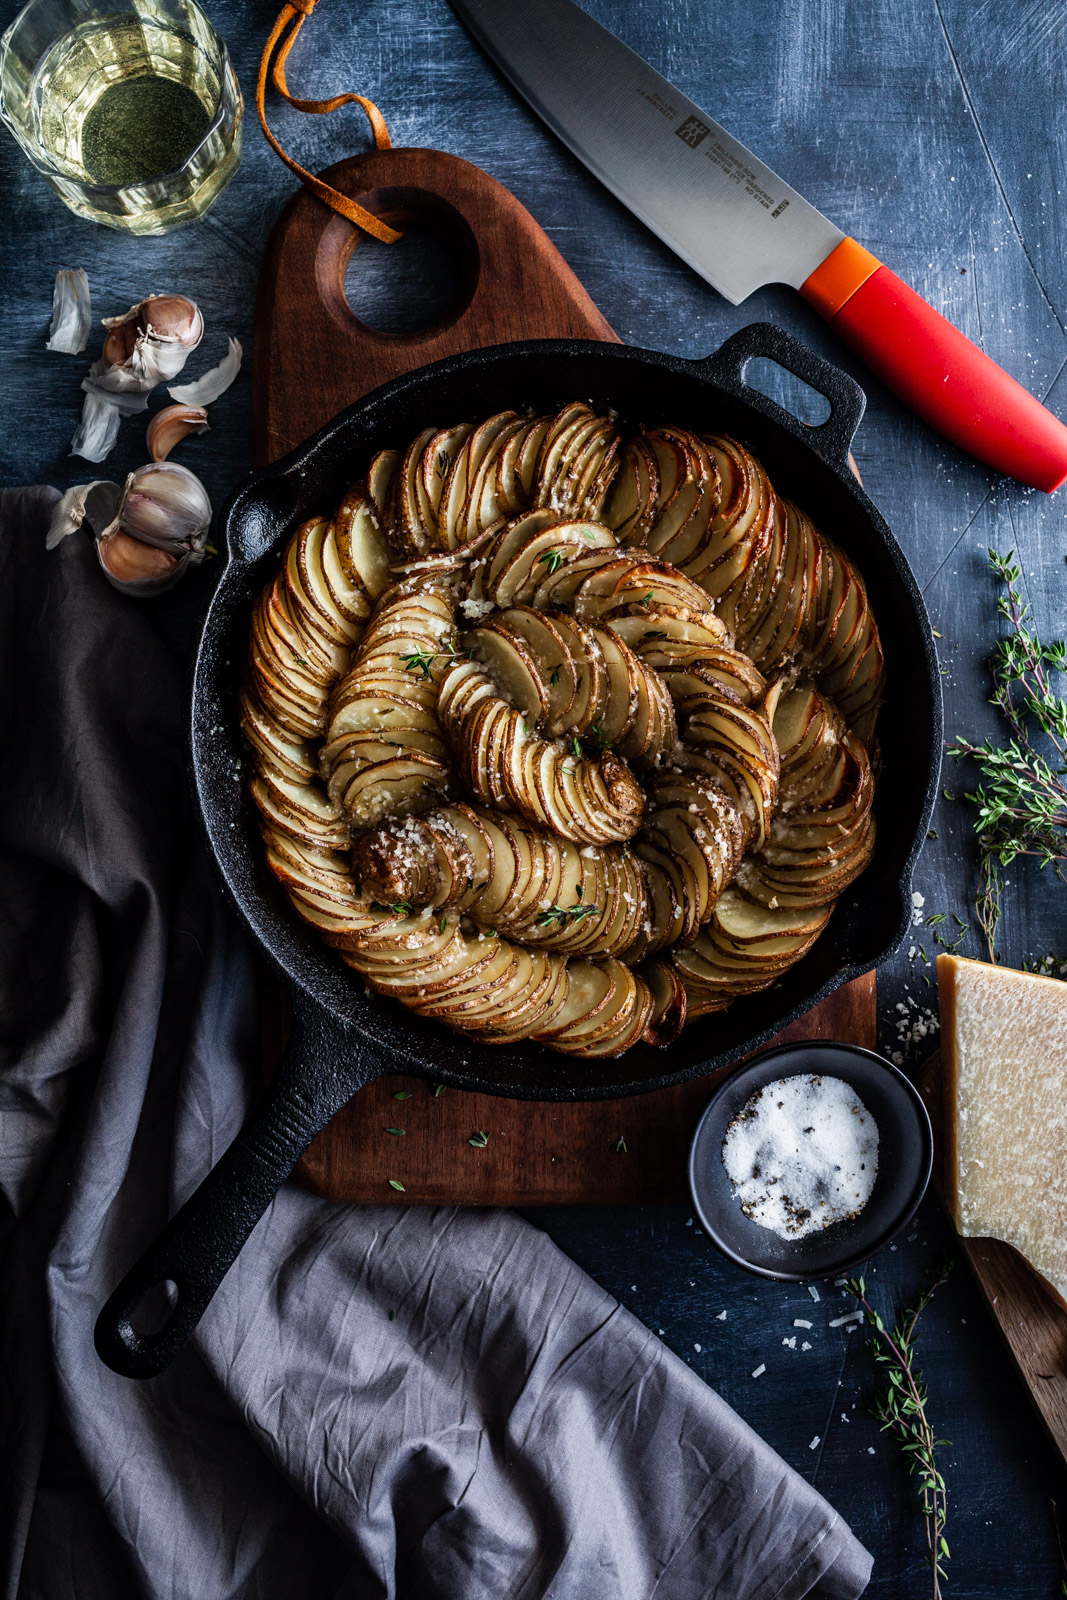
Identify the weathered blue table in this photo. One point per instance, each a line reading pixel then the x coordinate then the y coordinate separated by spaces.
pixel 930 129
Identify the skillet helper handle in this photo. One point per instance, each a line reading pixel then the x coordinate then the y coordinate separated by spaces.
pixel 832 439
pixel 935 369
pixel 198 1246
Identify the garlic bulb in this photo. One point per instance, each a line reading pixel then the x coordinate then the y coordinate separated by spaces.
pixel 148 345
pixel 166 505
pixel 153 339
pixel 149 533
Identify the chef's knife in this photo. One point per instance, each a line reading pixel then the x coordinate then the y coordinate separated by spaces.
pixel 740 226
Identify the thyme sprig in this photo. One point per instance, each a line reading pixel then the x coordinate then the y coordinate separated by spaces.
pixel 901 1409
pixel 566 916
pixel 1022 799
pixel 423 660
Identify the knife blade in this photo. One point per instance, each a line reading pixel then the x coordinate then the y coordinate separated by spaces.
pixel 740 226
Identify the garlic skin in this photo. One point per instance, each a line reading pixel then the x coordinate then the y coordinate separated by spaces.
pixel 71 312
pixel 165 505
pixel 94 503
pixel 171 425
pixel 206 389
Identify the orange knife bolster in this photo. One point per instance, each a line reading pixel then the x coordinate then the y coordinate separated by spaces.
pixel 836 279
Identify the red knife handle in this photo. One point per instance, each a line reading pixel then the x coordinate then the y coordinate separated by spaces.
pixel 935 369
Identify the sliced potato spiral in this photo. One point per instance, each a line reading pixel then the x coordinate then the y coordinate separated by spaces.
pixel 563 735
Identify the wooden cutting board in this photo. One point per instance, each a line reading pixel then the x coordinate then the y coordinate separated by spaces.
pixel 313 358
pixel 1032 1324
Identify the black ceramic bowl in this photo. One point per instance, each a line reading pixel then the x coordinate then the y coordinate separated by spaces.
pixel 905 1157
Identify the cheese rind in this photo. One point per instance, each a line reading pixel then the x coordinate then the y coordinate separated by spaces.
pixel 1004 1058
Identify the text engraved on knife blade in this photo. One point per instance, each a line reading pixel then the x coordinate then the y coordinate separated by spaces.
pixel 693 132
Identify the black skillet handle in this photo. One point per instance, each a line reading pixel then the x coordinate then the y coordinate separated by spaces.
pixel 832 438
pixel 322 1068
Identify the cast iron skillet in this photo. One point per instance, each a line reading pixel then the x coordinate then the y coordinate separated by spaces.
pixel 342 1037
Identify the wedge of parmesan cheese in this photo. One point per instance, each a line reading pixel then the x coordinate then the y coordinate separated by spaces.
pixel 1004 1057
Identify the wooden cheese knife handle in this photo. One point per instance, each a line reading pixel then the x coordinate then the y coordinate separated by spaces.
pixel 936 370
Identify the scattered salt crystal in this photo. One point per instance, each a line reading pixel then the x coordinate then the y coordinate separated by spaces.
pixel 721 1317
pixel 790 1344
pixel 697 1348
pixel 851 1316
pixel 870 1449
pixel 802 1154
pixel 815 1443
pixel 845 1417
pixel 813 1291
pixel 760 1370
pixel 806 1345
pixel 798 1322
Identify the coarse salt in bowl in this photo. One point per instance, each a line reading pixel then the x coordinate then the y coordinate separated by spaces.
pixel 829 1220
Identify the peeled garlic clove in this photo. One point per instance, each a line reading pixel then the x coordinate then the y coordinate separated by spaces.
pixel 138 569
pixel 170 426
pixel 166 505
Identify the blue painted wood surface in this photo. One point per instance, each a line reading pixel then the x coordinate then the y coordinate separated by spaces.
pixel 933 131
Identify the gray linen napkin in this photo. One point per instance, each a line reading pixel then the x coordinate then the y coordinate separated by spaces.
pixel 434 1404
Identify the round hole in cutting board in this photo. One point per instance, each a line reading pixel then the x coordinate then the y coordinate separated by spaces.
pixel 791 392
pixel 403 288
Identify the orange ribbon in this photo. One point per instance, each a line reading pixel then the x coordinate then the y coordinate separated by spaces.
pixel 282 38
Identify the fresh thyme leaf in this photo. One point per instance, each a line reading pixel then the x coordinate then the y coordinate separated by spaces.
pixel 442 463
pixel 479 1140
pixel 402 1094
pixel 397 1133
pixel 565 917
pixel 1021 799
pixel 596 736
pixel 442 924
pixel 392 1316
pixel 423 660
pixel 619 1147
pixel 402 908
pixel 553 560
pixel 576 746
pixel 930 834
pixel 937 919
pixel 901 1409
pixel 394 1183
pixel 646 599
pixel 438 1089
pixel 555 676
